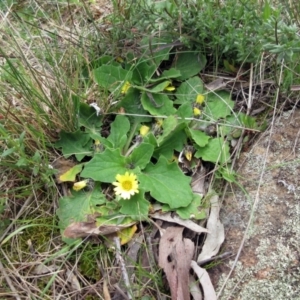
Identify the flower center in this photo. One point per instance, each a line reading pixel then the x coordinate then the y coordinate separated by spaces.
pixel 127 185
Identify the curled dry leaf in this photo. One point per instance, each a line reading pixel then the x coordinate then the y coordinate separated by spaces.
pixel 175 256
pixel 175 219
pixel 207 287
pixel 82 229
pixel 216 234
pixel 72 278
pixel 195 289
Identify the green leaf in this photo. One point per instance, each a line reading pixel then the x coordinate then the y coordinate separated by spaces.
pixel 157 104
pixel 216 151
pixel 167 183
pixel 188 90
pixel 105 166
pixel 169 125
pixel 132 105
pixel 118 131
pixel 75 143
pixel 173 142
pixel 111 77
pixel 189 64
pixel 192 211
pixel 185 111
pixel 167 74
pixel 218 105
pixel 142 72
pixel 88 118
pixel 199 137
pixel 137 207
pixel 141 155
pixel 78 206
pixel 70 175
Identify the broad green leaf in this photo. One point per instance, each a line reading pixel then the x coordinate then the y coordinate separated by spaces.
pixel 156 89
pixel 185 111
pixel 142 72
pixel 199 137
pixel 157 104
pixel 88 118
pixel 70 175
pixel 141 155
pixel 78 206
pixel 169 125
pixel 216 151
pixel 111 77
pixel 192 211
pixel 132 105
pixel 105 166
pixel 218 105
pixel 118 131
pixel 189 64
pixel 75 143
pixel 167 74
pixel 189 90
pixel 137 207
pixel 173 142
pixel 167 184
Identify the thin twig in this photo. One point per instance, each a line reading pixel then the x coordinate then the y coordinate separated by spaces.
pixel 122 265
pixel 257 192
pixel 9 282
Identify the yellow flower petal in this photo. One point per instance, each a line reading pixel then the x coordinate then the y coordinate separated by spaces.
pixel 196 111
pixel 125 87
pixel 170 88
pixel 200 99
pixel 126 185
pixel 144 130
pixel 77 186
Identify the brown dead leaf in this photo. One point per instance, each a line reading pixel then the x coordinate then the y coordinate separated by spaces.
pixel 217 84
pixel 175 256
pixel 82 229
pixel 62 165
pixel 216 234
pixel 175 219
pixel 207 287
pixel 72 278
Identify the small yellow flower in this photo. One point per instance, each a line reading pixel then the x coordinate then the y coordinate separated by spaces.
pixel 126 185
pixel 125 87
pixel 77 186
pixel 200 99
pixel 196 111
pixel 144 130
pixel 159 122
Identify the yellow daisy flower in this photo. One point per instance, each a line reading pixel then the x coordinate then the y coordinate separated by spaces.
pixel 77 186
pixel 126 185
pixel 144 130
pixel 125 87
pixel 200 99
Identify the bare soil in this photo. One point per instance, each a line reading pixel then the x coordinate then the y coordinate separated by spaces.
pixel 269 266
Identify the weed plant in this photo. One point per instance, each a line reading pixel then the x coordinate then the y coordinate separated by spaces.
pixel 48 56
